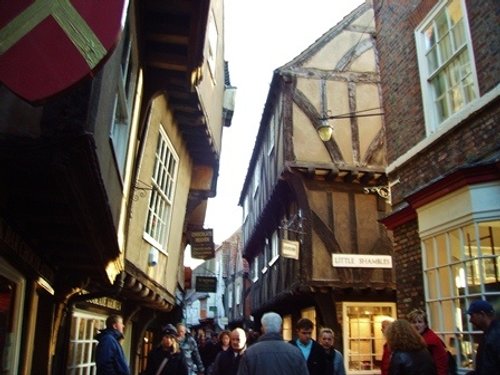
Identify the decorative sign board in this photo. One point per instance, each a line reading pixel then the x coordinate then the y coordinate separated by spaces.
pixel 206 284
pixel 290 249
pixel 361 261
pixel 202 244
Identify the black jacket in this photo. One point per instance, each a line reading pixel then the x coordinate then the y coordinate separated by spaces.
pixel 226 363
pixel 488 352
pixel 317 361
pixel 176 364
pixel 412 363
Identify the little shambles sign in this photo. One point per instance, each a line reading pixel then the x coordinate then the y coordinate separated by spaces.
pixel 202 244
pixel 361 261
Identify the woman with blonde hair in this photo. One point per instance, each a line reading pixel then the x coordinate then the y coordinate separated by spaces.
pixel 435 345
pixel 409 350
pixel 167 358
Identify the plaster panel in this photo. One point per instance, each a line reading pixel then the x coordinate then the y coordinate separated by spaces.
pixel 311 88
pixel 368 228
pixel 307 145
pixel 342 220
pixel 322 260
pixel 364 62
pixel 328 57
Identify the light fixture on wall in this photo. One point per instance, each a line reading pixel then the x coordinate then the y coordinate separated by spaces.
pixel 325 130
pixel 153 256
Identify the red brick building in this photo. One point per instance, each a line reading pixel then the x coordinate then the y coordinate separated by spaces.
pixel 440 73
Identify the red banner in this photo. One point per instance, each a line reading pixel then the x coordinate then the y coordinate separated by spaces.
pixel 46 46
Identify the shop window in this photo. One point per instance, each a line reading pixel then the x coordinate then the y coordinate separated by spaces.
pixel 287 328
pixel 147 346
pixel 310 313
pixel 11 300
pixel 82 344
pixel 460 266
pixel 363 338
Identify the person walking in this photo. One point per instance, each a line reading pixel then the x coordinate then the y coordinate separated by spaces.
pixel 227 362
pixel 386 353
pixel 271 355
pixel 190 350
pixel 223 341
pixel 208 351
pixel 334 359
pixel 312 351
pixel 482 316
pixel 167 358
pixel 109 355
pixel 409 350
pixel 435 345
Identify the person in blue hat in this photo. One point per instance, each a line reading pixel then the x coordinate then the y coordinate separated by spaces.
pixel 482 317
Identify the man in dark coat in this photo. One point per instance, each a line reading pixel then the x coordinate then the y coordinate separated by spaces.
pixel 270 355
pixel 227 362
pixel 482 316
pixel 311 350
pixel 109 356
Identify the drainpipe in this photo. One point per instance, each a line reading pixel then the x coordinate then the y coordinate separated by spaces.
pixel 62 345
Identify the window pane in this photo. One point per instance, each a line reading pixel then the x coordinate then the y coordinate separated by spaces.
pixel 162 192
pixel 445 49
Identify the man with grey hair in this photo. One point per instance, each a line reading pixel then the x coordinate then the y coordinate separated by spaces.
pixel 270 355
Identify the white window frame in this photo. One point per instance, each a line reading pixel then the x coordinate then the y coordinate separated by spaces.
pixel 353 332
pixel 456 271
pixel 432 121
pixel 126 84
pixel 163 186
pixel 255 269
pixel 83 361
pixel 275 247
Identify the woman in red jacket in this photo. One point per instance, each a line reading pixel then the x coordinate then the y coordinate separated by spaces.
pixel 435 345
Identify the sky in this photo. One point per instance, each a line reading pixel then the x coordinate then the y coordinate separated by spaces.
pixel 260 36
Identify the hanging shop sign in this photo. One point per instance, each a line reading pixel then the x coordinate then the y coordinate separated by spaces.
pixel 47 46
pixel 206 284
pixel 361 261
pixel 290 249
pixel 202 244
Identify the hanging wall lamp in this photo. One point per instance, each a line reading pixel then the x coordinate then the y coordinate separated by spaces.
pixel 325 130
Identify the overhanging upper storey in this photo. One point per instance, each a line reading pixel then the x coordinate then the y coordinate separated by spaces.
pixel 173 41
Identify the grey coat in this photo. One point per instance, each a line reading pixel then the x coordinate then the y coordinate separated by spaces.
pixel 272 356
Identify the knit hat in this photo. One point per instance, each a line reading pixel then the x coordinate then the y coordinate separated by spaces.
pixel 169 330
pixel 479 306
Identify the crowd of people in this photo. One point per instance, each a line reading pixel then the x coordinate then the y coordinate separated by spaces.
pixel 411 348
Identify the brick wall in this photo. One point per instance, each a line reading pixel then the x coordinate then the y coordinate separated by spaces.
pixel 408 265
pixel 396 23
pixel 466 144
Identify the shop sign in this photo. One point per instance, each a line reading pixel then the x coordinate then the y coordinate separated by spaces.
pixel 206 284
pixel 290 249
pixel 361 261
pixel 202 244
pixel 107 302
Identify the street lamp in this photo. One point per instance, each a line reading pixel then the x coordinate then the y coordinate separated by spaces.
pixel 325 130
